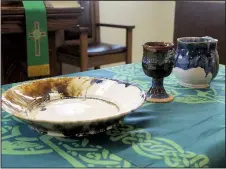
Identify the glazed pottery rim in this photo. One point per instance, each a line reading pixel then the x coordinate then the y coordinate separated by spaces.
pixel 123 114
pixel 207 38
pixel 159 45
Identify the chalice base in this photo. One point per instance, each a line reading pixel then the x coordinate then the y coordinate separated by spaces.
pixel 157 93
pixel 160 100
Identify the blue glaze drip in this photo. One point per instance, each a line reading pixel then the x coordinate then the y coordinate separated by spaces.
pixel 96 81
pixel 127 84
pixel 121 82
pixel 199 54
pixel 204 61
pixel 143 95
pixel 146 60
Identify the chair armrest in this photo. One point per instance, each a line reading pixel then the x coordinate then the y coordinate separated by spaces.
pixel 83 29
pixel 116 26
pixel 79 29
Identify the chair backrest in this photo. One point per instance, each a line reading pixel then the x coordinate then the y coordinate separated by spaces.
pixel 88 18
pixel 201 18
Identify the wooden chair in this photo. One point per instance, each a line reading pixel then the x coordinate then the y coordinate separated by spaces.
pixel 201 18
pixel 82 46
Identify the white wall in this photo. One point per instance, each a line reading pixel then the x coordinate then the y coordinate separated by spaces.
pixel 153 20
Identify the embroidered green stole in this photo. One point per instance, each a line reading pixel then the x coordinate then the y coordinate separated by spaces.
pixel 37 38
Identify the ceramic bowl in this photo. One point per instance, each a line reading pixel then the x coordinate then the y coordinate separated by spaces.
pixel 72 106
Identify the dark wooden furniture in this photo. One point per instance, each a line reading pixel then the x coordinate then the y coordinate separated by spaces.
pixel 14 63
pixel 201 18
pixel 83 47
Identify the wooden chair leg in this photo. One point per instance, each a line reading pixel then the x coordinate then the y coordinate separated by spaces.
pixel 59 41
pixel 54 64
pixel 83 51
pixel 129 39
pixel 97 67
pixel 60 68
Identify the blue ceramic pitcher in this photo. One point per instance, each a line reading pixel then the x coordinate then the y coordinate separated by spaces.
pixel 196 61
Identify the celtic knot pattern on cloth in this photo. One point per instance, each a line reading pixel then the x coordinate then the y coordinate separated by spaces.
pixel 154 135
pixel 157 148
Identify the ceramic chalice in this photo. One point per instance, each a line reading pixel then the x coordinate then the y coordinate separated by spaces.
pixel 158 62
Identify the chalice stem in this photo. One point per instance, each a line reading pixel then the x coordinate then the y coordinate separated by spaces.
pixel 157 88
pixel 157 83
pixel 157 92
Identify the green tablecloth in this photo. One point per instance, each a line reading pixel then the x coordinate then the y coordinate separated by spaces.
pixel 188 132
